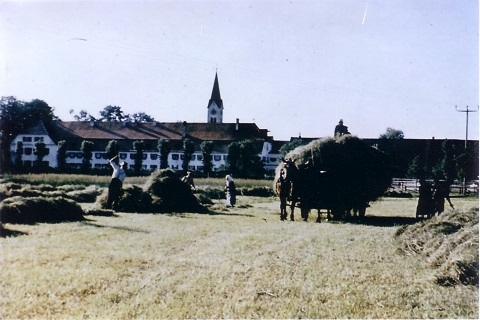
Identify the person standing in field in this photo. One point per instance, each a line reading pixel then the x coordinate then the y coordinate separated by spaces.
pixel 188 179
pixel 116 183
pixel 442 192
pixel 426 204
pixel 230 191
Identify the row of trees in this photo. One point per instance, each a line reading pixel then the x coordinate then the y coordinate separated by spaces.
pixel 242 161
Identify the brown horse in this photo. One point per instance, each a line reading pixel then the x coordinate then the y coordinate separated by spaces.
pixel 288 188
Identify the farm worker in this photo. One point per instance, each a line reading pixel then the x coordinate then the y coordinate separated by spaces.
pixel 188 179
pixel 115 187
pixel 442 192
pixel 340 129
pixel 230 191
pixel 426 206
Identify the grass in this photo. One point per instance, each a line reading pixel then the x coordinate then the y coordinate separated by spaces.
pixel 240 262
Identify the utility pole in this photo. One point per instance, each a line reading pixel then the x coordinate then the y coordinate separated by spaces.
pixel 467 111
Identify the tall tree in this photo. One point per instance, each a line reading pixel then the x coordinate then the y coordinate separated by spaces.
pixel 62 155
pixel 250 164
pixel 112 114
pixel 112 149
pixel 207 149
pixel 392 134
pixel 164 148
pixel 188 150
pixel 139 147
pixel 233 157
pixel 40 151
pixel 86 148
pixel 18 155
pixel 390 142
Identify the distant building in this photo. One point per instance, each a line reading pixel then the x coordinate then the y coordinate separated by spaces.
pixel 100 133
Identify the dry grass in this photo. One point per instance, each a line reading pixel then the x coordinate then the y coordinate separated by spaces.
pixel 232 264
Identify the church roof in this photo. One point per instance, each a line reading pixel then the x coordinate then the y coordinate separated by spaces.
pixel 216 94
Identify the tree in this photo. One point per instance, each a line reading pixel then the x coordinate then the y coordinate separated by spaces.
pixel 164 148
pixel 250 164
pixel 449 166
pixel 392 134
pixel 86 149
pixel 112 149
pixel 417 168
pixel 84 116
pixel 112 114
pixel 188 150
pixel 139 147
pixel 233 157
pixel 207 149
pixel 40 151
pixel 390 142
pixel 18 155
pixel 15 116
pixel 141 117
pixel 62 155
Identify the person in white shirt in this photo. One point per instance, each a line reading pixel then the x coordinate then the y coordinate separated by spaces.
pixel 116 184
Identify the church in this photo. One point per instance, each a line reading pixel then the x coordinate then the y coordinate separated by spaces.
pixel 126 133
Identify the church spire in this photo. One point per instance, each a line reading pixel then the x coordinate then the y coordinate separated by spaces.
pixel 215 104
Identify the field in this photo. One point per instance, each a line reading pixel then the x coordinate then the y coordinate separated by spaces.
pixel 240 262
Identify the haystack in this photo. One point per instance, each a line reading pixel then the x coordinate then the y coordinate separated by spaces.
pixel 30 210
pixel 170 194
pixel 448 242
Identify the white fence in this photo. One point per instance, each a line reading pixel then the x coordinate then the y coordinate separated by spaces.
pixel 406 185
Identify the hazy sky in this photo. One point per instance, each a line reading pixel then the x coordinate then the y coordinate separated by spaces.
pixel 293 67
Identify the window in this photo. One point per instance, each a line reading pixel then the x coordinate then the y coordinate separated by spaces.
pixel 200 168
pixel 144 156
pixel 192 158
pixel 47 151
pixel 38 139
pixel 71 155
pixel 27 139
pixel 182 156
pixel 123 156
pixel 153 166
pixel 175 167
pixel 79 155
pixel 132 156
pixel 98 155
pixel 217 157
pixel 191 167
pixel 28 151
pixel 153 156
pixel 273 159
pixel 225 157
pixel 174 156
pixel 199 157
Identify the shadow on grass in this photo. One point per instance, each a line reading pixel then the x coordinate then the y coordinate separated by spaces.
pixel 4 233
pixel 383 221
pixel 88 223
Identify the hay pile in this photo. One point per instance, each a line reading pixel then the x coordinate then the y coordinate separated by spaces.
pixel 170 194
pixel 449 242
pixel 76 193
pixel 30 210
pixel 343 173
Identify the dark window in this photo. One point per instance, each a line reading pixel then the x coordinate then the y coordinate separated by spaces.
pixel 199 157
pixel 28 151
pixel 174 156
pixel 38 139
pixel 153 166
pixel 217 157
pixel 123 156
pixel 153 156
pixel 27 139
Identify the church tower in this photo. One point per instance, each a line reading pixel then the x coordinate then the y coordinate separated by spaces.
pixel 215 104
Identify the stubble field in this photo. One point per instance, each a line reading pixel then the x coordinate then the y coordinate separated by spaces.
pixel 240 262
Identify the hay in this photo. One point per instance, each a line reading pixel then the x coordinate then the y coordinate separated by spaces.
pixel 77 193
pixel 344 173
pixel 32 210
pixel 448 242
pixel 170 194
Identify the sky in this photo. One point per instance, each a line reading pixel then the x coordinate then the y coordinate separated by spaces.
pixel 293 67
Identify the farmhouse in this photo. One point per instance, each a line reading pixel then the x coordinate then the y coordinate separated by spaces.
pixel 126 133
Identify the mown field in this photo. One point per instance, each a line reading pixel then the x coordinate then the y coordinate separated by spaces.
pixel 240 262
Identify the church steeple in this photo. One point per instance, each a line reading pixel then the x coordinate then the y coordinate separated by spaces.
pixel 215 104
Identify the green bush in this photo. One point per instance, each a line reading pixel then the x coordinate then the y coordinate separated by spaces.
pixel 39 209
pixel 257 192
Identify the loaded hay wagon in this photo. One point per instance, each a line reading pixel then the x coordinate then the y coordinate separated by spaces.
pixel 341 175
